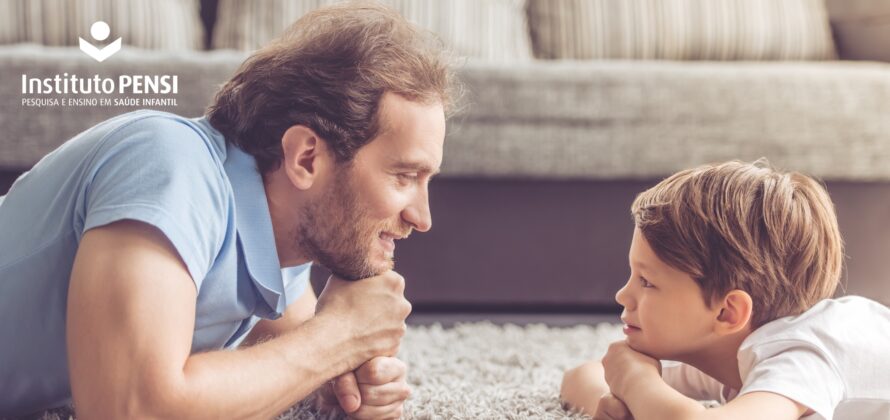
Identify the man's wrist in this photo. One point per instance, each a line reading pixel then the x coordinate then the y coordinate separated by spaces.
pixel 331 328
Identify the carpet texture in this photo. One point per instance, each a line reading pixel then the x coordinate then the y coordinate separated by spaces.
pixel 483 371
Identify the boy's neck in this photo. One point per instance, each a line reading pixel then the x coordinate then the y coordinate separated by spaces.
pixel 719 360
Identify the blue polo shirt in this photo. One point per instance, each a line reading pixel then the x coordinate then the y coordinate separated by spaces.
pixel 174 173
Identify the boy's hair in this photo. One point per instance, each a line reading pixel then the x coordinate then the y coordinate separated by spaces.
pixel 329 72
pixel 750 227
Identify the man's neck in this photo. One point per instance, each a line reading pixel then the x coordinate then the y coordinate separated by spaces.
pixel 283 211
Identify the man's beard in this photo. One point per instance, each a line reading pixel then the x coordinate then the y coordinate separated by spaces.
pixel 336 232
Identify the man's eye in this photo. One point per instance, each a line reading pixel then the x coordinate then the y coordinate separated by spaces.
pixel 409 175
pixel 645 283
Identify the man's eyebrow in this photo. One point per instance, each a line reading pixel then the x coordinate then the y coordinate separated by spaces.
pixel 415 166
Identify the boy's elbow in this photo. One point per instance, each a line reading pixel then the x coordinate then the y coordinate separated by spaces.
pixel 583 386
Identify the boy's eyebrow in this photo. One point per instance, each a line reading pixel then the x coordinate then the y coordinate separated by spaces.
pixel 639 264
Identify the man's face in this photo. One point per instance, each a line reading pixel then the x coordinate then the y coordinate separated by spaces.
pixel 380 196
pixel 664 313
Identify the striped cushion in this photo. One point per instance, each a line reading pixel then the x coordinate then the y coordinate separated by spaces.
pixel 489 29
pixel 681 29
pixel 156 24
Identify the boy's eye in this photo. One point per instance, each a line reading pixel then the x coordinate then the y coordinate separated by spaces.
pixel 645 283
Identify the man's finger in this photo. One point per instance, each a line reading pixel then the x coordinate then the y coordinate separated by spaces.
pixel 370 412
pixel 381 370
pixel 386 394
pixel 347 392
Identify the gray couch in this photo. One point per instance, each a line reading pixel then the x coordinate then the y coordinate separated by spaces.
pixel 531 209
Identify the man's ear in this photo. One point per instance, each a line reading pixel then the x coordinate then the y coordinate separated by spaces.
pixel 736 309
pixel 304 155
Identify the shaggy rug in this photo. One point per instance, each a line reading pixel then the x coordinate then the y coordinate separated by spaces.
pixel 483 371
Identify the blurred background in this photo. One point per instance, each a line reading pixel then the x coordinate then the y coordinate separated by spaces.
pixel 572 107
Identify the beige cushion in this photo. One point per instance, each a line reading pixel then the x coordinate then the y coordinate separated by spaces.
pixel 489 29
pixel 681 29
pixel 156 24
pixel 861 28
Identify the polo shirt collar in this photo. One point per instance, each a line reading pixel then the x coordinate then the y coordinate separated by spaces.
pixel 254 227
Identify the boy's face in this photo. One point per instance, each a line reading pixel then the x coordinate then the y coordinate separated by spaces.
pixel 664 313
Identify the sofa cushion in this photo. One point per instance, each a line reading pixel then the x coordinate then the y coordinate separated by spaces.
pixel 552 120
pixel 155 24
pixel 681 29
pixel 490 29
pixel 647 119
pixel 30 132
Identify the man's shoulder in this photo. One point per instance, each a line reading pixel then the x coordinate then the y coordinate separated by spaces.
pixel 162 129
pixel 159 139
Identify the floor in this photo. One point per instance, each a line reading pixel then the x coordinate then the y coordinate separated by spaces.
pixel 552 320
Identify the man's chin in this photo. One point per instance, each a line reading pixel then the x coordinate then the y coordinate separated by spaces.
pixel 370 270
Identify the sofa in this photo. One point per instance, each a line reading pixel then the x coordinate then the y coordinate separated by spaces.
pixel 552 142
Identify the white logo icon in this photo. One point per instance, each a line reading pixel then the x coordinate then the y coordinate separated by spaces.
pixel 100 31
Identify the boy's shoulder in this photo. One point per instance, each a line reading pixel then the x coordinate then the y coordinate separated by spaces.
pixel 825 324
pixel 838 345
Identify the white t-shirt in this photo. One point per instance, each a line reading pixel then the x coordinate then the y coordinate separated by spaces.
pixel 834 358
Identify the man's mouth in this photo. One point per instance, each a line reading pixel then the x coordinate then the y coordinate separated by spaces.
pixel 388 240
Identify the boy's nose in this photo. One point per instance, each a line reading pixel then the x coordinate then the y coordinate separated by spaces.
pixel 623 297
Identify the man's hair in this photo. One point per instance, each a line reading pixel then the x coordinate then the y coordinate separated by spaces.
pixel 328 72
pixel 750 227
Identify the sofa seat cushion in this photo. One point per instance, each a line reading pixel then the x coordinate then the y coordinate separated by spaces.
pixel 644 119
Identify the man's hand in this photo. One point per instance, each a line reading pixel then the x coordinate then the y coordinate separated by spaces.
pixel 371 312
pixel 376 390
pixel 625 367
pixel 611 408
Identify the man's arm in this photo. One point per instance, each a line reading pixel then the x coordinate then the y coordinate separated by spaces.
pixel 131 308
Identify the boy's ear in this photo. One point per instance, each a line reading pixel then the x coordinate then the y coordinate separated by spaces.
pixel 304 155
pixel 736 309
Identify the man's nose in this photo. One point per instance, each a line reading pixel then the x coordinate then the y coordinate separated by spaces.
pixel 418 213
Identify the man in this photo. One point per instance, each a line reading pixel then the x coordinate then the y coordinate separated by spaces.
pixel 136 252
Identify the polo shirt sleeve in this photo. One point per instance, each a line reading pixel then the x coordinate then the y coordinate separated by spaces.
pixel 162 172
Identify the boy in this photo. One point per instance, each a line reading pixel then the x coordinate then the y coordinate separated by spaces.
pixel 732 268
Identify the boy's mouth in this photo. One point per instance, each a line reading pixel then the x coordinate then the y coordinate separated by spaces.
pixel 629 327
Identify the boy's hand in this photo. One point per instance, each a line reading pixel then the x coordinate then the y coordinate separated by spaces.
pixel 611 408
pixel 626 367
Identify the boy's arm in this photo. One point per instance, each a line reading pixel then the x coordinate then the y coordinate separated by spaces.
pixel 635 379
pixel 583 386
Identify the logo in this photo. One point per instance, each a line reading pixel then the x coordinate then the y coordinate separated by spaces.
pixel 100 31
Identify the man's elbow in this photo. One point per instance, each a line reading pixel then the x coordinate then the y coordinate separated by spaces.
pixel 148 399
